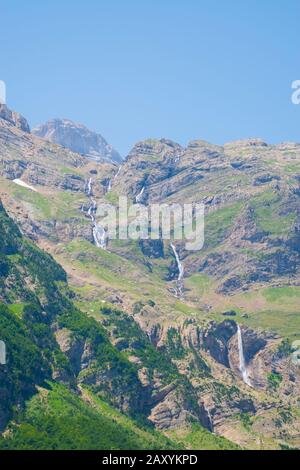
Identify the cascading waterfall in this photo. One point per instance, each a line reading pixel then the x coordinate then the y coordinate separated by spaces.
pixel 242 365
pixel 210 419
pixel 99 233
pixel 138 197
pixel 89 187
pixel 180 272
pixel 108 188
pixel 118 172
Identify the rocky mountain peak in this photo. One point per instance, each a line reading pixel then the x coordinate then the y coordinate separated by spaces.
pixel 154 148
pixel 203 144
pixel 246 143
pixel 77 138
pixel 13 118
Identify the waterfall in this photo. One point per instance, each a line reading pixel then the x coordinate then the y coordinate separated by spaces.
pixel 210 419
pixel 99 233
pixel 140 194
pixel 108 189
pixel 89 187
pixel 179 264
pixel 180 271
pixel 118 172
pixel 242 365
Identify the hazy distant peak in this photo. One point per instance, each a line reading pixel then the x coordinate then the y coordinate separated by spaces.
pixel 78 138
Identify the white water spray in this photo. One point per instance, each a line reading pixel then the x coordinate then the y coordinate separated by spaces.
pixel 99 233
pixel 118 172
pixel 242 365
pixel 89 187
pixel 210 419
pixel 139 195
pixel 180 271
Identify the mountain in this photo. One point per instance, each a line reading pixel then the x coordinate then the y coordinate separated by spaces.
pixel 63 373
pixel 14 118
pixel 190 357
pixel 251 192
pixel 77 138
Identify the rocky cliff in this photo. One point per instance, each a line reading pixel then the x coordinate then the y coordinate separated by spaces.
pixel 77 138
pixel 14 118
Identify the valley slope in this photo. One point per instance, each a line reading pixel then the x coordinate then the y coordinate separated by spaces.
pixel 247 274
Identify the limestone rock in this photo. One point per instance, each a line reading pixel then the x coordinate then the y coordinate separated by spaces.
pixel 14 118
pixel 77 138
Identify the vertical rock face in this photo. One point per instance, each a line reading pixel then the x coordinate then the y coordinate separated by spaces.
pixel 216 341
pixel 14 118
pixel 77 138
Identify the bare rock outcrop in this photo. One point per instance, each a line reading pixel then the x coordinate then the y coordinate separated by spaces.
pixel 77 138
pixel 14 118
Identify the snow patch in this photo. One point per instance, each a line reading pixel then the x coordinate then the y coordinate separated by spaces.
pixel 24 185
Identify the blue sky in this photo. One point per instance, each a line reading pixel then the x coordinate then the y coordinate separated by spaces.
pixel 217 70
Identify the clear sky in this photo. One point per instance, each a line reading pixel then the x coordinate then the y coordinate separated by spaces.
pixel 217 70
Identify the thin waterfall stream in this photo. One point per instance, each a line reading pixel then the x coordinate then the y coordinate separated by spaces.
pixel 138 197
pixel 180 272
pixel 118 172
pixel 242 364
pixel 99 233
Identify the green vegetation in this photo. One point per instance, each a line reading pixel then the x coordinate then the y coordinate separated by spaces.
pixel 174 344
pixel 246 420
pixel 138 344
pixel 25 366
pixel 58 204
pixel 200 282
pixel 26 328
pixel 274 380
pixel 123 375
pixel 282 294
pixel 218 223
pixel 112 197
pixel 17 309
pixel 267 209
pixel 282 321
pixel 198 438
pixel 38 201
pixel 285 348
pixel 57 419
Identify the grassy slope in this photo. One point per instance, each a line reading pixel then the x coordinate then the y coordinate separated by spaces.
pixel 271 308
pixel 102 272
pixel 133 280
pixel 196 437
pixel 59 419
pixel 28 277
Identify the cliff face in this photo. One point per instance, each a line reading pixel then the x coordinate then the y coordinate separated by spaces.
pixel 210 357
pixel 251 195
pixel 77 138
pixel 14 118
